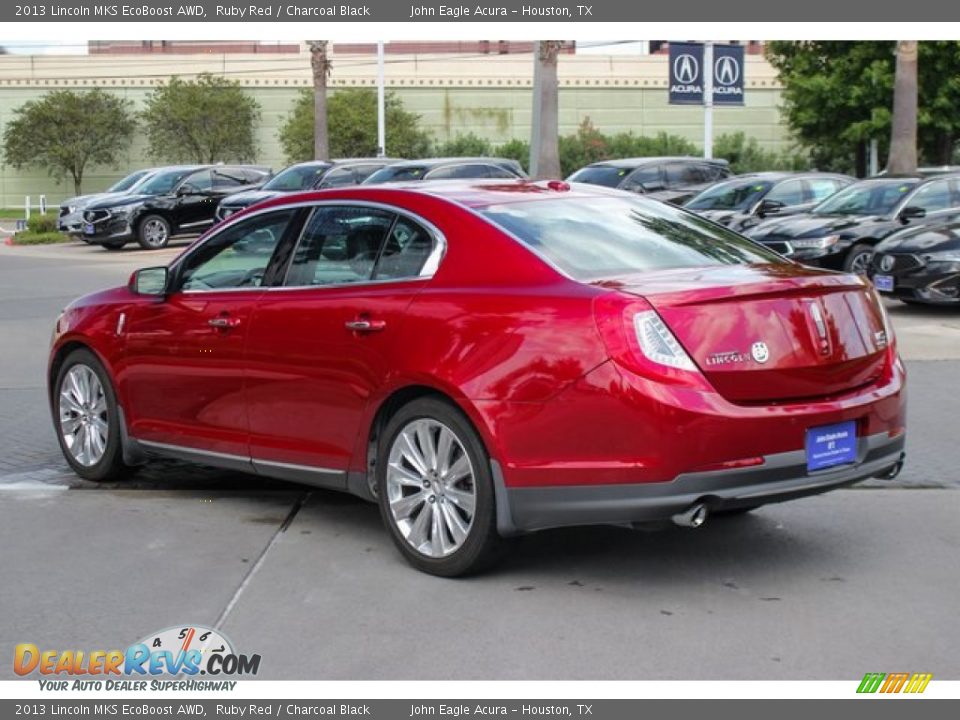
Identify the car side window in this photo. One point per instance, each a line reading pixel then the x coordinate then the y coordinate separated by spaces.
pixel 682 174
pixel 228 178
pixel 822 188
pixel 474 170
pixel 201 181
pixel 405 253
pixel 789 193
pixel 362 172
pixel 238 256
pixel 340 244
pixel 644 178
pixel 338 177
pixel 495 171
pixel 933 197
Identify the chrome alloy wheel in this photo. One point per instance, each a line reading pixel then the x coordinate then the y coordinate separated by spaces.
pixel 431 488
pixel 155 233
pixel 860 264
pixel 84 425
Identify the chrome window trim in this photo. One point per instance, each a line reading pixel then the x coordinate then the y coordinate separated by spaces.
pixel 428 270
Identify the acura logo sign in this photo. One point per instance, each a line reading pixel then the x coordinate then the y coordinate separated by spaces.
pixel 726 70
pixel 686 69
pixel 886 264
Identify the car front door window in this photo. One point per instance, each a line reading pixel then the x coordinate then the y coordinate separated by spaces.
pixel 933 197
pixel 237 257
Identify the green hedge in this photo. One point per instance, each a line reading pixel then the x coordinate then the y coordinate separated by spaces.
pixel 589 145
pixel 39 224
pixel 45 238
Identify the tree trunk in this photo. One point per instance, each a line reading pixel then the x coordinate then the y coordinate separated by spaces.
pixel 903 137
pixel 77 180
pixel 320 63
pixel 544 146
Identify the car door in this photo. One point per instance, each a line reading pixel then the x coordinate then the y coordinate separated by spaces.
pixel 321 345
pixel 181 377
pixel 937 199
pixel 194 207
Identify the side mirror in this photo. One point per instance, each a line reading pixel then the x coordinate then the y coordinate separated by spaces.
pixel 186 189
pixel 769 207
pixel 912 212
pixel 150 281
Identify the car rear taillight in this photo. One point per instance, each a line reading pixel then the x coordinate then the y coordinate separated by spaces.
pixel 638 339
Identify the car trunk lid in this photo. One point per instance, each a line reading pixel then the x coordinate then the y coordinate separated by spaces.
pixel 770 333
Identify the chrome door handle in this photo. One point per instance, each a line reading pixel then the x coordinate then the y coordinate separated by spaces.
pixel 223 323
pixel 365 325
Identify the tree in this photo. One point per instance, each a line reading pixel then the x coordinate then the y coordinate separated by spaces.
pixel 321 66
pixel 839 95
pixel 210 119
pixel 65 131
pixel 903 138
pixel 352 118
pixel 544 146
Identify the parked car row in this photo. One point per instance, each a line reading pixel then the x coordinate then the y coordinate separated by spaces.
pixel 151 206
pixel 821 219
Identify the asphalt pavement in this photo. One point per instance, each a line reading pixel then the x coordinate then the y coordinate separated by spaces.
pixel 830 587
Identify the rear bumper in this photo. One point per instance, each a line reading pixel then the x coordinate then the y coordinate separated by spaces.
pixel 782 476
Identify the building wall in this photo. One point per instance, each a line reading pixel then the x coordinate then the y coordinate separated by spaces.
pixel 489 97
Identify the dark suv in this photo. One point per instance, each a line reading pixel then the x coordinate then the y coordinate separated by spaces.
pixel 310 175
pixel 671 179
pixel 176 200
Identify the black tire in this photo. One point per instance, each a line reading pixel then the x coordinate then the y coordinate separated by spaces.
pixel 110 466
pixel 153 232
pixel 113 246
pixel 482 545
pixel 858 259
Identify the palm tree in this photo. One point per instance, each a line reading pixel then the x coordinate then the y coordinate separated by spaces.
pixel 903 138
pixel 321 65
pixel 544 148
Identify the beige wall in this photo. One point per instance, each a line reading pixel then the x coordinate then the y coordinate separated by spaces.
pixel 489 96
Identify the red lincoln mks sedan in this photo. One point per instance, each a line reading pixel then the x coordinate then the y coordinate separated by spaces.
pixel 487 359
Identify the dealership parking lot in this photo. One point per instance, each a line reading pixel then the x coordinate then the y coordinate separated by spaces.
pixel 830 587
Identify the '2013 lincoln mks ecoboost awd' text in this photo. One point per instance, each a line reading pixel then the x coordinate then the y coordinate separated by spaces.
pixel 485 359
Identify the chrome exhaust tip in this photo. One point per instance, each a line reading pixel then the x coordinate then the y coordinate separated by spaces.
pixel 692 517
pixel 894 471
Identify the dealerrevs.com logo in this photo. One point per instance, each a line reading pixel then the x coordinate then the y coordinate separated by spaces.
pixel 185 651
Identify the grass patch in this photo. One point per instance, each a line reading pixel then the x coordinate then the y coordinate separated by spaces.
pixel 39 238
pixel 11 213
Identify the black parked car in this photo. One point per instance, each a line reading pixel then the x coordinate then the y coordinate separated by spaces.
pixel 671 179
pixel 841 232
pixel 920 265
pixel 746 200
pixel 174 200
pixel 70 218
pixel 448 169
pixel 311 175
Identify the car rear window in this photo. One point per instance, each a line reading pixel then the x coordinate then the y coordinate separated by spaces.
pixel 591 238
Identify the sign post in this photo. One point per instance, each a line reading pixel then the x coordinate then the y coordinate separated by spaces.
pixel 708 101
pixel 706 74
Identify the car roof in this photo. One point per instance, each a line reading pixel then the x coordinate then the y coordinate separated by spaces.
pixel 474 194
pixel 638 161
pixel 435 162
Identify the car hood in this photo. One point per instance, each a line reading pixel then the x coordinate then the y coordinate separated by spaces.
pixel 249 197
pixel 808 225
pixel 935 239
pixel 113 200
pixel 724 217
